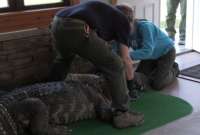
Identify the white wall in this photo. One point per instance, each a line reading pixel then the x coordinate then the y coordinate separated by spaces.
pixel 145 9
pixel 193 25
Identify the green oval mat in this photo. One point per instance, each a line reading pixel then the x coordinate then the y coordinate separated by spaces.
pixel 158 109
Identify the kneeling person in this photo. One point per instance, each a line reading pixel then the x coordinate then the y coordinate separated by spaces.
pixel 154 49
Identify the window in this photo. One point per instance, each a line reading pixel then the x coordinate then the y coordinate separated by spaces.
pixel 3 3
pixel 39 2
pixel 33 4
pixel 16 5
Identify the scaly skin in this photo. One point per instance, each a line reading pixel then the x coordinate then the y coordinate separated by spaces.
pixel 40 109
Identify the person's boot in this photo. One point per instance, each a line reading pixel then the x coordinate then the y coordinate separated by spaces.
pixel 176 68
pixel 133 95
pixel 134 88
pixel 181 42
pixel 181 39
pixel 127 119
pixel 142 80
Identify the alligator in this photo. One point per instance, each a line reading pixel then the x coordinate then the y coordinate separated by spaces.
pixel 47 108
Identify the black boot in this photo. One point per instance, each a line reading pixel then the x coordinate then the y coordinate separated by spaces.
pixel 176 67
pixel 133 90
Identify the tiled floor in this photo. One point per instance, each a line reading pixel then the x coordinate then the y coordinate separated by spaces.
pixel 189 91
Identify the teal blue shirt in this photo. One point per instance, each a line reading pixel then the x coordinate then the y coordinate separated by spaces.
pixel 148 41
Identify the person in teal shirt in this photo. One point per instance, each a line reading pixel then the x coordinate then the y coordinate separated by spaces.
pixel 154 49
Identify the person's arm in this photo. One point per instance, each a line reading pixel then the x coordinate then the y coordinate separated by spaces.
pixel 124 53
pixel 148 43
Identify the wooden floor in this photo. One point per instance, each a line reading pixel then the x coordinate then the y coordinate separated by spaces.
pixel 186 126
pixel 189 91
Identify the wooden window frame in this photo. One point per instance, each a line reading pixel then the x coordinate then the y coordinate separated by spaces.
pixel 34 18
pixel 18 5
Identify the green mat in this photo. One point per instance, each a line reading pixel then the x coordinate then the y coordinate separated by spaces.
pixel 158 109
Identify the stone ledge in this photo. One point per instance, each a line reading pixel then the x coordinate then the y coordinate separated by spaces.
pixel 23 34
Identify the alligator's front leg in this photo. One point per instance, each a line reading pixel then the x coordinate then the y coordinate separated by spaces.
pixel 37 117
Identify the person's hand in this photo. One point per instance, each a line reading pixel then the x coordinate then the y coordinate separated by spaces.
pixel 87 29
pixel 128 62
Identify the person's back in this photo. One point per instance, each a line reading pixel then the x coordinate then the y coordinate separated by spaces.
pixel 151 41
pixel 106 20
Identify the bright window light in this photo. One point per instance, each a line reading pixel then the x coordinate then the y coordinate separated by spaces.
pixel 3 3
pixel 40 2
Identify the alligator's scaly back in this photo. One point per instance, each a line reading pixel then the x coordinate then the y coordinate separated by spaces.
pixel 68 101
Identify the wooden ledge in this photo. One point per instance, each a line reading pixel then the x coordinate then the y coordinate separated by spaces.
pixel 14 21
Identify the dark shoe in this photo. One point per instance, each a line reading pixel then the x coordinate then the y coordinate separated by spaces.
pixel 134 89
pixel 181 42
pixel 176 68
pixel 134 95
pixel 133 85
pixel 127 119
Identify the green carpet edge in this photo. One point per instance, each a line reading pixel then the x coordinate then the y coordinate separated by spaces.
pixel 94 125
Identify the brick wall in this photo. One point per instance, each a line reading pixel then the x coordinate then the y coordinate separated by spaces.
pixel 25 58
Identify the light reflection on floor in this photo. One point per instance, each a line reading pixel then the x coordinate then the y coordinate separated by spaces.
pixel 189 91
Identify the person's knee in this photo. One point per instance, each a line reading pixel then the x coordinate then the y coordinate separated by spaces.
pixel 162 83
pixel 157 85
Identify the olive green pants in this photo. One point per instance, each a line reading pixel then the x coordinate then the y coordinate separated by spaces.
pixel 71 39
pixel 160 72
pixel 172 6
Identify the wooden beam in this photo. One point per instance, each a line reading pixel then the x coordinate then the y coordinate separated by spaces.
pixel 20 20
pixel 13 21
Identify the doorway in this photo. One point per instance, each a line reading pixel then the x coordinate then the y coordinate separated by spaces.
pixel 163 13
pixel 193 25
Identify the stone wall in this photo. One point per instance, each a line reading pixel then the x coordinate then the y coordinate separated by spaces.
pixel 25 58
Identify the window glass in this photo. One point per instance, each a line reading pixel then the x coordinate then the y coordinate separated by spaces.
pixel 3 3
pixel 40 2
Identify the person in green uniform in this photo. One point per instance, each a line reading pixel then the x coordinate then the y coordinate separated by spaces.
pixel 172 6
